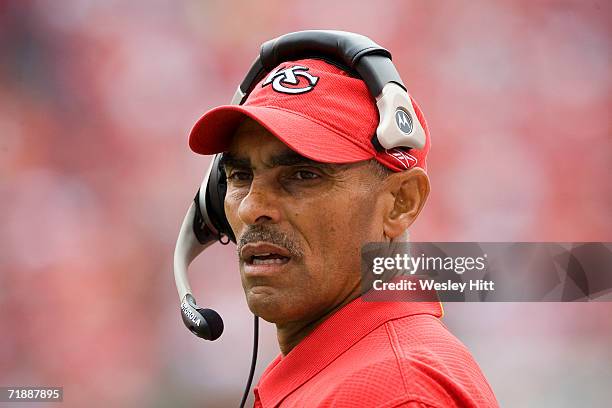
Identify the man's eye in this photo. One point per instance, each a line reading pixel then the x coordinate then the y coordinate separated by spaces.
pixel 239 176
pixel 305 175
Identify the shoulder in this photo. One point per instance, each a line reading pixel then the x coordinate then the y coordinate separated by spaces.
pixel 389 382
pixel 412 362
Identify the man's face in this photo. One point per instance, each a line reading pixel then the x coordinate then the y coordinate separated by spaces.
pixel 299 225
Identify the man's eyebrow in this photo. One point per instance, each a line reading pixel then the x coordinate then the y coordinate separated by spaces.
pixel 292 158
pixel 289 158
pixel 229 160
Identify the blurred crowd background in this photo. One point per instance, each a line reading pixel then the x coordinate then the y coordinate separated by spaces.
pixel 96 102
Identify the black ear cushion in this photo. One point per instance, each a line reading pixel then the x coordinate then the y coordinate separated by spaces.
pixel 214 322
pixel 215 197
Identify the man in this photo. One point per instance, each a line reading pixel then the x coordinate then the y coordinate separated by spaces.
pixel 306 189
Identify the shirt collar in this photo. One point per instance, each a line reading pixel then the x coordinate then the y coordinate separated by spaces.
pixel 330 339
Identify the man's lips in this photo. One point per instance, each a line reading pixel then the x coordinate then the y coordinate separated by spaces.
pixel 263 253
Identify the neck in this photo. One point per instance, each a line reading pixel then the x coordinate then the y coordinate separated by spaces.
pixel 291 334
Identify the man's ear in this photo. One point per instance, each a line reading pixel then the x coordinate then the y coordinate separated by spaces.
pixel 410 190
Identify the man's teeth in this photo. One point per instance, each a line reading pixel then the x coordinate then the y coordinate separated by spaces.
pixel 270 261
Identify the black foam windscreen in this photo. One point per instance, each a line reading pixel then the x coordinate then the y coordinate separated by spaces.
pixel 214 322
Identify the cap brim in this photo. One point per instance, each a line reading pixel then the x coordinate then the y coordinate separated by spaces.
pixel 213 134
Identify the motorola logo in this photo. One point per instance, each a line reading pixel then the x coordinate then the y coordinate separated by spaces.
pixel 403 120
pixel 189 314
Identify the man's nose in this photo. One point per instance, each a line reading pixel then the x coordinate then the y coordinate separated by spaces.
pixel 259 205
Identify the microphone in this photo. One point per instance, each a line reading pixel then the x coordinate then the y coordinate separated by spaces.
pixel 204 323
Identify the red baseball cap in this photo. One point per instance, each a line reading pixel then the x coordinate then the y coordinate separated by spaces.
pixel 316 109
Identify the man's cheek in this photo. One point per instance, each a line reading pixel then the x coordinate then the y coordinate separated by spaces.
pixel 230 205
pixel 325 229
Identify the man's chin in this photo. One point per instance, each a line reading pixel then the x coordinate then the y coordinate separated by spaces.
pixel 269 304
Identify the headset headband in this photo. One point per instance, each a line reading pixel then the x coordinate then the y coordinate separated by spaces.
pixel 356 52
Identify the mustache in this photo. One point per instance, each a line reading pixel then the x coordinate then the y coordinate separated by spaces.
pixel 267 233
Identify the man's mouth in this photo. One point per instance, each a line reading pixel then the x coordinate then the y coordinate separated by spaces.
pixel 263 253
pixel 267 259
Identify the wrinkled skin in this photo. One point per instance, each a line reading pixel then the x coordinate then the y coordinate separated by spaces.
pixel 320 214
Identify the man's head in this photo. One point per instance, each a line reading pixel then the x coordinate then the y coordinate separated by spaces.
pixel 311 218
pixel 306 188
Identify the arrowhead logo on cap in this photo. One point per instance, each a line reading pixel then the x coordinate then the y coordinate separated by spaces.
pixel 405 159
pixel 290 76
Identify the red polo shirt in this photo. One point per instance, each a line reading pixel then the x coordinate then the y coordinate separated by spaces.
pixel 377 354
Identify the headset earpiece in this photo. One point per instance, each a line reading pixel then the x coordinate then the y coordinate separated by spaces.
pixel 216 187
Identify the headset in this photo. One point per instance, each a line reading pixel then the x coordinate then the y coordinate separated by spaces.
pixel 206 222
